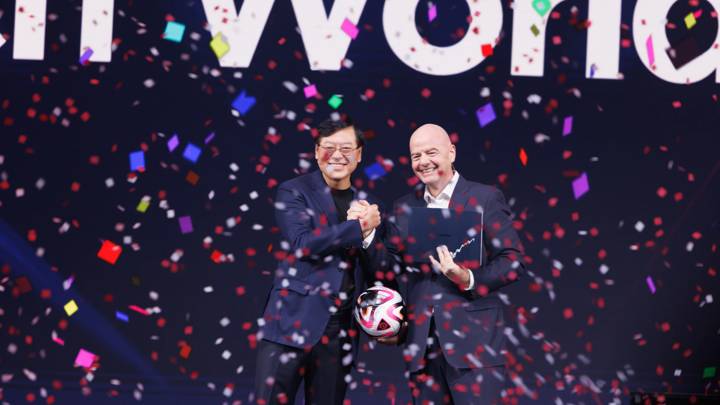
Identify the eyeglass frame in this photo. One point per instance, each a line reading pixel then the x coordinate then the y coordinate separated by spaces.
pixel 332 149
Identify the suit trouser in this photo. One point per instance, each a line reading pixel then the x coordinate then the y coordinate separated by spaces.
pixel 281 369
pixel 441 383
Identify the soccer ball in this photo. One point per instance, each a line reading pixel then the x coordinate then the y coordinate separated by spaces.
pixel 379 311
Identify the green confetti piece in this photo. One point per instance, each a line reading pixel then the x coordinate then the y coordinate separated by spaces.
pixel 709 372
pixel 335 101
pixel 535 30
pixel 143 205
pixel 541 6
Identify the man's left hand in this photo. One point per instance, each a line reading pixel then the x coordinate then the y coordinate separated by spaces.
pixel 446 265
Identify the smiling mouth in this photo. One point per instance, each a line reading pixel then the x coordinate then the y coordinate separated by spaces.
pixel 428 171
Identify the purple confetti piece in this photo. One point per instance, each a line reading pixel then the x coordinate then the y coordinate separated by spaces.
pixel 209 138
pixel 432 13
pixel 186 225
pixel 650 284
pixel 485 115
pixel 567 126
pixel 173 143
pixel 85 57
pixel 580 186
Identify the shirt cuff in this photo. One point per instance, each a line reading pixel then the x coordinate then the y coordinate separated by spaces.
pixel 472 280
pixel 367 241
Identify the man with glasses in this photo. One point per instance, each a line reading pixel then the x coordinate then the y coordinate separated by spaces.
pixel 328 229
pixel 455 332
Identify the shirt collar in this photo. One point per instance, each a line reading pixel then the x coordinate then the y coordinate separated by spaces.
pixel 446 193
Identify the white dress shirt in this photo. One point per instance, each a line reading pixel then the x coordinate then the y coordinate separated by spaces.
pixel 443 201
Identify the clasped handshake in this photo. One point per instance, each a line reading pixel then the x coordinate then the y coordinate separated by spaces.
pixel 368 215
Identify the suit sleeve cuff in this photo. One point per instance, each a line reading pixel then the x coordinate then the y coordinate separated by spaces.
pixel 472 280
pixel 367 241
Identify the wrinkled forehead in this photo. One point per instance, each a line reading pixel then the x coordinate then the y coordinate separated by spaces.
pixel 421 142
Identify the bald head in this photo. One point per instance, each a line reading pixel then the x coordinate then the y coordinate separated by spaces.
pixel 430 132
pixel 432 156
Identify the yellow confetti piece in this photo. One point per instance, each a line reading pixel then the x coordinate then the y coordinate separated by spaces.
pixel 71 307
pixel 219 46
pixel 690 21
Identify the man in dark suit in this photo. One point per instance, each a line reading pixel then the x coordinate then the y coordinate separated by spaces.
pixel 454 344
pixel 327 227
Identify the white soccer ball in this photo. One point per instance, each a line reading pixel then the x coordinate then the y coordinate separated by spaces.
pixel 379 311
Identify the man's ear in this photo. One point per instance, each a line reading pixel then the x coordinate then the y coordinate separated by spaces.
pixel 359 151
pixel 453 153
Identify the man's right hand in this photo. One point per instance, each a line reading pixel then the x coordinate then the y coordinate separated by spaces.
pixel 367 214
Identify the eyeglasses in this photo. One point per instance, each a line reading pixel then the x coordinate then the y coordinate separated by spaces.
pixel 344 150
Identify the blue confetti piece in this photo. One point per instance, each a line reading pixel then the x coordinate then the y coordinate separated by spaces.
pixel 137 161
pixel 243 103
pixel 121 316
pixel 192 153
pixel 174 31
pixel 375 171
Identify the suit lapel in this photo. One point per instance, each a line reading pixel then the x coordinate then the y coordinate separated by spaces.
pixel 460 196
pixel 324 198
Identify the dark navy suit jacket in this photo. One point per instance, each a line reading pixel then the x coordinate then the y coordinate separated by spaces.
pixel 470 324
pixel 308 278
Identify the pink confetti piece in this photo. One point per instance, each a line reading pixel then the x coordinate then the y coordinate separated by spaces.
pixel 310 91
pixel 84 358
pixel 650 50
pixel 432 13
pixel 139 310
pixel 58 341
pixel 650 284
pixel 350 28
pixel 567 126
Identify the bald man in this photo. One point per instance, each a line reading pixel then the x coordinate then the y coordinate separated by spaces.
pixel 454 342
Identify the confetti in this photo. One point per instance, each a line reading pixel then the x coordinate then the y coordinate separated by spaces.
pixel 580 186
pixel 335 101
pixel 375 171
pixel 186 225
pixel 84 358
pixel 651 284
pixel 109 252
pixel 243 103
pixel 174 31
pixel 121 316
pixel 310 91
pixel 192 152
pixel 219 46
pixel 567 126
pixel 71 307
pixel 349 28
pixel 137 161
pixel 541 6
pixel 690 20
pixel 650 50
pixel 85 57
pixel 173 143
pixel 432 12
pixel 485 115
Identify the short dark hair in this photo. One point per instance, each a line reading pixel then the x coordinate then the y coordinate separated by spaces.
pixel 331 126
